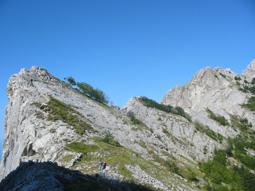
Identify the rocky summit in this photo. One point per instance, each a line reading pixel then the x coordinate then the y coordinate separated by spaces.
pixel 63 135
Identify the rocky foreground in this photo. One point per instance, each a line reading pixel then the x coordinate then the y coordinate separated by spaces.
pixel 201 137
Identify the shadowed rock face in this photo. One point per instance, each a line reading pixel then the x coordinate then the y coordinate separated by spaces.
pixel 31 176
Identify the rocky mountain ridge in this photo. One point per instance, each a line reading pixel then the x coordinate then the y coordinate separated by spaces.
pixel 164 146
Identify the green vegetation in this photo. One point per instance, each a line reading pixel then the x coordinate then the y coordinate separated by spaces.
pixel 250 104
pixel 67 158
pixel 120 157
pixel 171 165
pixel 87 90
pixel 240 123
pixel 210 133
pixel 218 118
pixel 237 78
pixel 222 175
pixel 142 144
pixel 133 119
pixel 239 147
pixel 253 81
pixel 248 88
pixel 71 81
pixel 167 133
pixel 60 111
pixel 223 75
pixel 166 108
pixel 230 169
pixel 95 94
pixel 139 125
pixel 109 139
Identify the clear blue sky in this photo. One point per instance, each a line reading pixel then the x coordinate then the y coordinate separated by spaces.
pixel 125 47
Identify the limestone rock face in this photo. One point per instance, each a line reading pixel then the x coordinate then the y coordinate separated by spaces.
pixel 182 138
pixel 249 73
pixel 30 135
pixel 214 89
pixel 146 144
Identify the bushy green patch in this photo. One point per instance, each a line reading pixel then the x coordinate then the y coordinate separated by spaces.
pixel 237 78
pixel 166 108
pixel 239 148
pixel 222 175
pixel 210 133
pixel 241 123
pixel 109 139
pixel 172 166
pixel 58 110
pixel 223 75
pixel 153 104
pixel 71 81
pixel 248 88
pixel 142 144
pixel 87 90
pixel 218 118
pixel 253 81
pixel 250 104
pixel 167 133
pixel 95 94
pixel 133 119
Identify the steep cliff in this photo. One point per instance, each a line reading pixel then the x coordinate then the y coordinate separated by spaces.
pixel 163 146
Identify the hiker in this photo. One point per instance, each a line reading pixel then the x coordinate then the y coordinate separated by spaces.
pixel 31 82
pixel 100 168
pixel 104 168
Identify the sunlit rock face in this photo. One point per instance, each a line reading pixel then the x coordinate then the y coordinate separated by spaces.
pixel 47 119
pixel 249 73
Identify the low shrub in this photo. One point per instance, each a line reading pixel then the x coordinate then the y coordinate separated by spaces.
pixel 241 123
pixel 218 118
pixel 166 108
pixel 210 133
pixel 71 81
pixel 133 119
pixel 109 139
pixel 87 90
pixel 223 75
pixel 237 78
pixel 253 81
pixel 171 166
pixel 95 94
pixel 249 88
pixel 250 104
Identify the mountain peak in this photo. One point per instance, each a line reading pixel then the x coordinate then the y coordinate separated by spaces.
pixel 249 72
